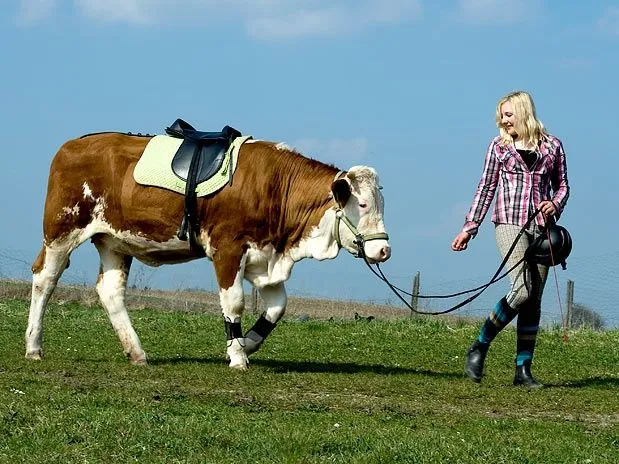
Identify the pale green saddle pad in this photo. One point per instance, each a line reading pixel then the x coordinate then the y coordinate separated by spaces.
pixel 154 167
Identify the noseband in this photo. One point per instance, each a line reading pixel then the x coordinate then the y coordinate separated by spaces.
pixel 360 239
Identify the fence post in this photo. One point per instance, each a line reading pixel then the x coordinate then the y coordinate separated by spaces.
pixel 415 293
pixel 570 303
pixel 254 300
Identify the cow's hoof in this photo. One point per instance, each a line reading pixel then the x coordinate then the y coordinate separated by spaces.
pixel 137 359
pixel 240 365
pixel 36 355
pixel 139 362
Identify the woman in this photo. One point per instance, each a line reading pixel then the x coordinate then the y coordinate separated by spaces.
pixel 525 169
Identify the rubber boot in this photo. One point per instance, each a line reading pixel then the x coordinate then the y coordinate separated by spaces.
pixel 524 378
pixel 475 358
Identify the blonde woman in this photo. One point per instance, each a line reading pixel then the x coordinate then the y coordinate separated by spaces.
pixel 524 169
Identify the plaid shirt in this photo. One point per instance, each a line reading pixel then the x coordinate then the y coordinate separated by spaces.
pixel 519 190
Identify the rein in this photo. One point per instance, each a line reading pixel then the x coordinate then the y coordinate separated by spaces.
pixel 495 278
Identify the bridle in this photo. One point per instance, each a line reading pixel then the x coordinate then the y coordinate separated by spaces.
pixel 360 239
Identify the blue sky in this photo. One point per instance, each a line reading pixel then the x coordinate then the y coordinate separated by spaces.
pixel 406 86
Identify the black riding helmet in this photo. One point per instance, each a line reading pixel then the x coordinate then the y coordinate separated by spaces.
pixel 550 252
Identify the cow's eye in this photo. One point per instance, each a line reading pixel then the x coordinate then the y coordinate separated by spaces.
pixel 363 205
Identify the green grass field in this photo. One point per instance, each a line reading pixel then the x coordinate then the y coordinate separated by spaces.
pixel 339 391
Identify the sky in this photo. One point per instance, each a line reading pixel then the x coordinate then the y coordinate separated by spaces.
pixel 406 86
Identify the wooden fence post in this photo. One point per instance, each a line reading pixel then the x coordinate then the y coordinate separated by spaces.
pixel 254 300
pixel 570 303
pixel 415 293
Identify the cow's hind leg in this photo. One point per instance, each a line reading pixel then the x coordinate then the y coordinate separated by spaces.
pixel 46 271
pixel 111 286
pixel 275 299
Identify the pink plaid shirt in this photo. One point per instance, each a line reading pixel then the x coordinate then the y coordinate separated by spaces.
pixel 518 189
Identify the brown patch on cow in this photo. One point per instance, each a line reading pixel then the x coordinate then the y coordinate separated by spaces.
pixel 37 266
pixel 277 196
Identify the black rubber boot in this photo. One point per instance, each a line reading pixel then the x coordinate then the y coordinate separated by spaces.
pixel 475 358
pixel 524 378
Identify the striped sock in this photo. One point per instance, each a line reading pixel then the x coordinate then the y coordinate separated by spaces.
pixel 525 344
pixel 499 317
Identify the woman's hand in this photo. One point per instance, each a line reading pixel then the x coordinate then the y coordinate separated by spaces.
pixel 461 241
pixel 547 208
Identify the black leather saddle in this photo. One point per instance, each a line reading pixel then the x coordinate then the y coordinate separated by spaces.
pixel 199 156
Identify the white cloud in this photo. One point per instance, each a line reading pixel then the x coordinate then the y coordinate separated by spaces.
pixel 127 11
pixel 496 11
pixel 342 153
pixel 320 18
pixel 262 19
pixel 609 23
pixel 34 11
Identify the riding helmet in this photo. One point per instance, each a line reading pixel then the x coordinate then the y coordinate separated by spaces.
pixel 550 252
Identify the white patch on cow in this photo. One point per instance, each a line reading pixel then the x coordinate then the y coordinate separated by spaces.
pixel 266 267
pixel 232 299
pixel 87 192
pixel 43 284
pixel 283 146
pixel 126 242
pixel 111 289
pixel 99 209
pixel 70 211
pixel 232 302
pixel 321 243
pixel 206 244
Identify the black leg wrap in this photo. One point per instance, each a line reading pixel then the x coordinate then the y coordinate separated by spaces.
pixel 256 335
pixel 263 327
pixel 233 330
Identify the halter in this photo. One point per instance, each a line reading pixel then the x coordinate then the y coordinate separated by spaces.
pixel 360 239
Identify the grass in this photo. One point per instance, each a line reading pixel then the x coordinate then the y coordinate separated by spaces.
pixel 319 391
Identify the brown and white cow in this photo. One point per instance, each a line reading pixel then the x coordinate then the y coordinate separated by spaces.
pixel 281 207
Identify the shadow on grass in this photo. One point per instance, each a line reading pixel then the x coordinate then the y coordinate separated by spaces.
pixel 313 367
pixel 589 382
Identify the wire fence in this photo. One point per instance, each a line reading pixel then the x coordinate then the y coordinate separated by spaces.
pixel 594 279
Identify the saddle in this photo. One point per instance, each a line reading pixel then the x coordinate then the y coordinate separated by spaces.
pixel 199 156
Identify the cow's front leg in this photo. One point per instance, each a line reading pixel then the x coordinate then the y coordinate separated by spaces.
pixel 232 302
pixel 275 299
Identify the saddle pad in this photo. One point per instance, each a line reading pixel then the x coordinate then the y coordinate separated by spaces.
pixel 154 167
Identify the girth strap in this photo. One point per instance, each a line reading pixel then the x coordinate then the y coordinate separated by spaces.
pixel 198 143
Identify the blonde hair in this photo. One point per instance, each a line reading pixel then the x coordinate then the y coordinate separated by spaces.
pixel 529 129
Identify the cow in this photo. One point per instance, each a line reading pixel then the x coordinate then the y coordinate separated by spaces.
pixel 280 207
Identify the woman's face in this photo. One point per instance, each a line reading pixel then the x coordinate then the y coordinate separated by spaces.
pixel 508 119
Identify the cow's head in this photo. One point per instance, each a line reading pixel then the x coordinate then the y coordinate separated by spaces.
pixel 359 223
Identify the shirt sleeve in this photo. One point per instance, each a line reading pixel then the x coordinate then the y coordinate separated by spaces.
pixel 560 185
pixel 484 192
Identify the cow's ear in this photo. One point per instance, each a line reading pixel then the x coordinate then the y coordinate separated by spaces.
pixel 341 191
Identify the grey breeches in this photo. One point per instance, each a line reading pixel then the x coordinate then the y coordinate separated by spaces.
pixel 527 281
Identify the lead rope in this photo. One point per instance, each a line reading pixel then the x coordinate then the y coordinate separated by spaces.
pixel 554 270
pixel 495 278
